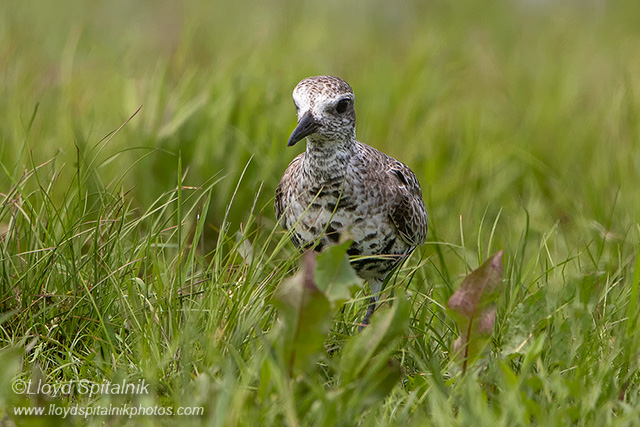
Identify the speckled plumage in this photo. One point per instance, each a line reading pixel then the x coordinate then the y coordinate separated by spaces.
pixel 341 185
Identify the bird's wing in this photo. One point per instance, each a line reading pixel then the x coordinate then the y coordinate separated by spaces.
pixel 408 212
pixel 278 202
pixel 291 175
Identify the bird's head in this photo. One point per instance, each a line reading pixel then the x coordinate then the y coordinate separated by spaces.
pixel 325 111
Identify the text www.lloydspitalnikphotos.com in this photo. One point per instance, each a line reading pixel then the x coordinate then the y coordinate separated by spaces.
pixel 89 389
pixel 106 410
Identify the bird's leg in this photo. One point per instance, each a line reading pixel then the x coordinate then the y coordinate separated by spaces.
pixel 376 287
pixel 367 317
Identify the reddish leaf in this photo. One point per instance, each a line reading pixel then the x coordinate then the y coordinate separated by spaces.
pixel 474 310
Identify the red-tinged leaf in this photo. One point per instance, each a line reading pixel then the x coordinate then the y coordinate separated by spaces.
pixel 480 287
pixel 485 320
pixel 473 307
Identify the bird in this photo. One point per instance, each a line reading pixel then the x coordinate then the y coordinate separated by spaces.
pixel 339 185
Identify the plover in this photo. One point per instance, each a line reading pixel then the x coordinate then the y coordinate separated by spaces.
pixel 340 185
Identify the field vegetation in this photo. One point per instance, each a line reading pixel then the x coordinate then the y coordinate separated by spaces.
pixel 140 147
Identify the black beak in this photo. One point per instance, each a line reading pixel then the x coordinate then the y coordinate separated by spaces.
pixel 306 126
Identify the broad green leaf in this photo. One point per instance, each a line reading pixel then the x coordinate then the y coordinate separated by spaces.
pixel 523 323
pixel 334 274
pixel 386 325
pixel 11 362
pixel 305 314
pixel 367 367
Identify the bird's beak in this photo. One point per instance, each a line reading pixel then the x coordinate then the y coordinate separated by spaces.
pixel 306 126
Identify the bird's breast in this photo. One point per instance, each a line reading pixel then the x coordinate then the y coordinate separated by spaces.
pixel 323 218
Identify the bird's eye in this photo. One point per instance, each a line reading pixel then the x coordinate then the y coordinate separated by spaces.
pixel 342 105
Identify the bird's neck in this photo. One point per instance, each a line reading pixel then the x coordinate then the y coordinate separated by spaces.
pixel 326 160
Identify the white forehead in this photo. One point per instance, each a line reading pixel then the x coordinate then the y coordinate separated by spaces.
pixel 303 98
pixel 320 90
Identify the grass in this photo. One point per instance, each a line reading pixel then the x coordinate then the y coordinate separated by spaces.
pixel 140 243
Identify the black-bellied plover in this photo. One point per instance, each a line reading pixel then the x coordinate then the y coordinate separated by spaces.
pixel 341 185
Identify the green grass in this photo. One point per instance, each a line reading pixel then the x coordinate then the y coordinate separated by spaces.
pixel 147 248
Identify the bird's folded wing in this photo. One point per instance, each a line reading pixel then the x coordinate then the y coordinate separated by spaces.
pixel 278 203
pixel 289 179
pixel 408 212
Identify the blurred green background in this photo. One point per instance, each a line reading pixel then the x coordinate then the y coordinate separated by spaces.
pixel 514 105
